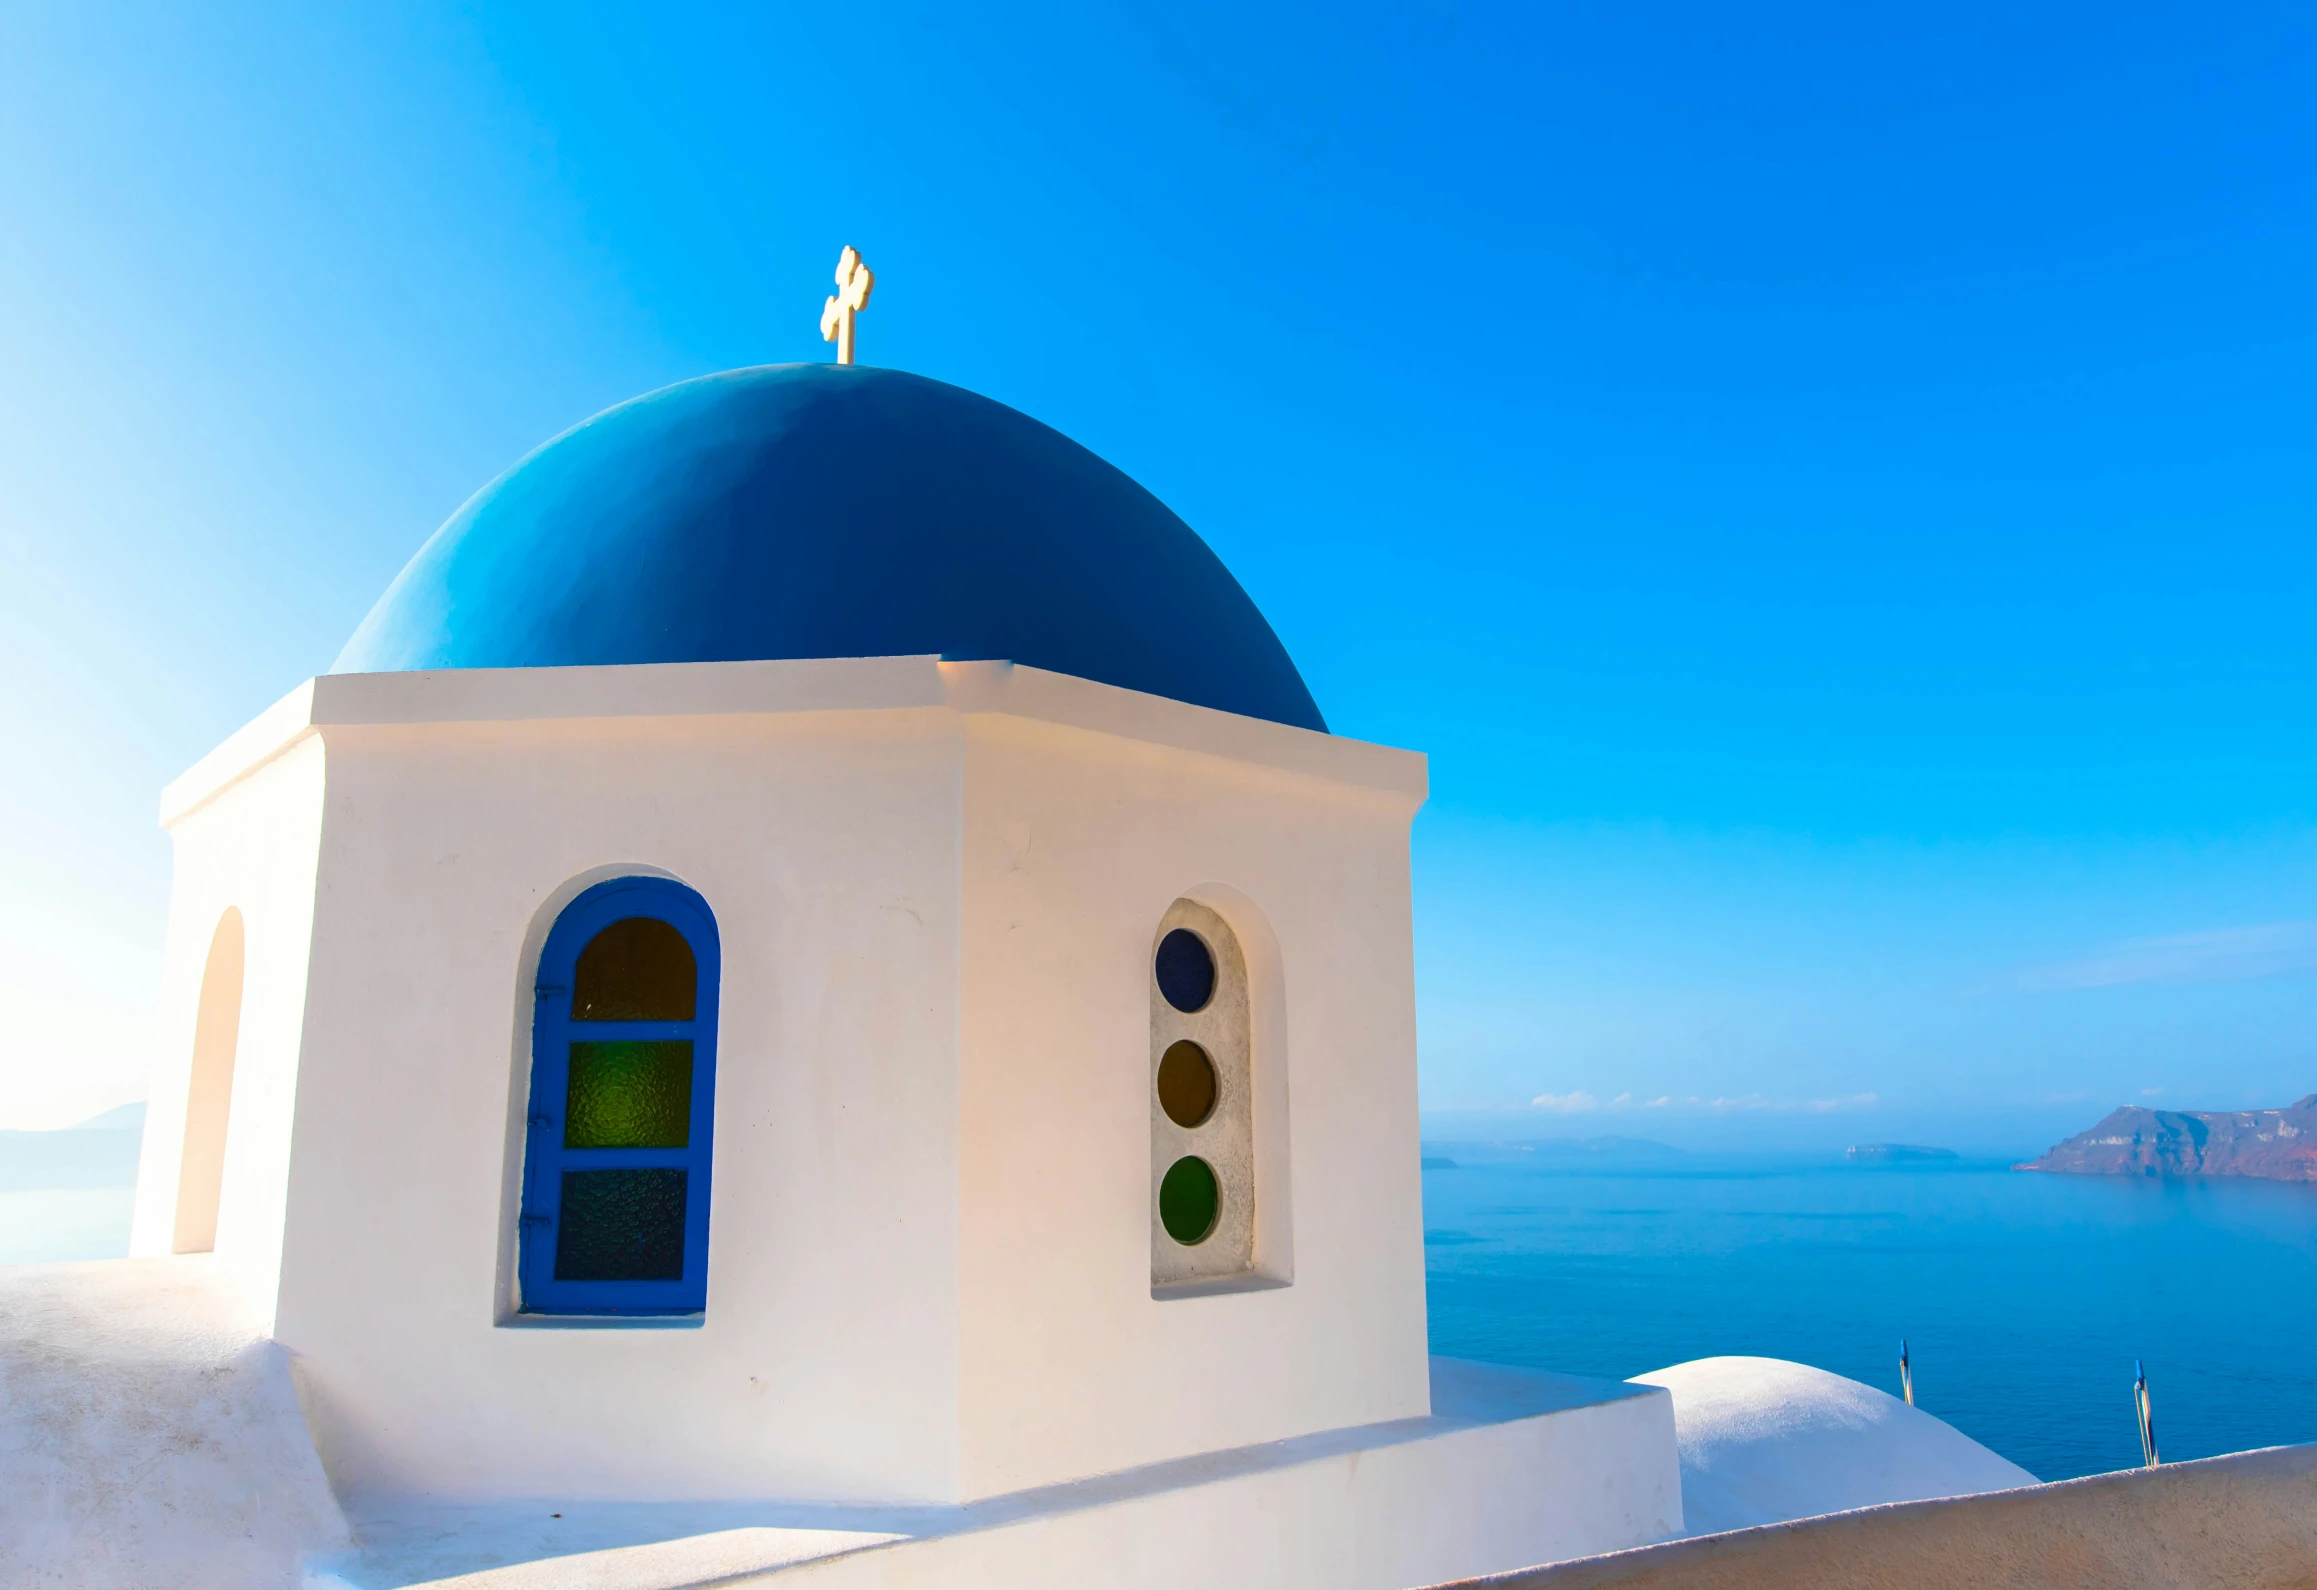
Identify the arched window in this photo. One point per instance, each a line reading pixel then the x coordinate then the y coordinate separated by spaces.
pixel 623 1105
pixel 1202 1134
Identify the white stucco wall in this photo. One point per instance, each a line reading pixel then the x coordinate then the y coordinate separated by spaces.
pixel 252 845
pixel 935 886
pixel 826 1362
pixel 1076 844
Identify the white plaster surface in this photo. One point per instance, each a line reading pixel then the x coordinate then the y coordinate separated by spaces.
pixel 149 1434
pixel 153 1439
pixel 1764 1441
pixel 935 885
pixel 931 1353
pixel 2247 1521
pixel 1513 1467
pixel 258 852
pixel 1075 844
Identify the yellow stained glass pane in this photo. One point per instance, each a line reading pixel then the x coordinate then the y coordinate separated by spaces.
pixel 638 969
pixel 1186 1083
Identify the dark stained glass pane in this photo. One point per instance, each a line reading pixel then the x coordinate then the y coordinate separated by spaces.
pixel 629 1095
pixel 638 969
pixel 1186 1083
pixel 621 1225
pixel 1186 971
pixel 1189 1201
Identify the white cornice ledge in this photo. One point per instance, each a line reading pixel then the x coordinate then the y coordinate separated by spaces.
pixel 744 689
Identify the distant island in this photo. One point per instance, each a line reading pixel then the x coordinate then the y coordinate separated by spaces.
pixel 1894 1153
pixel 1557 1147
pixel 1437 1162
pixel 2278 1145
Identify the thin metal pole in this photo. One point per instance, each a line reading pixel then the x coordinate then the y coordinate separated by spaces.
pixel 1906 1374
pixel 2144 1413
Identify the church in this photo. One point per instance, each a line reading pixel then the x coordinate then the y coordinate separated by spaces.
pixel 812 999
pixel 814 949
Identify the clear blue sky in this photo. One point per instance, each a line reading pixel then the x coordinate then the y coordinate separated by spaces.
pixel 1832 487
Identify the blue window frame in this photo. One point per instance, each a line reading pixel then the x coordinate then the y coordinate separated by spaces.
pixel 623 1105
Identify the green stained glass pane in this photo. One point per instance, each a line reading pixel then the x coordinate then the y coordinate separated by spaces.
pixel 1189 1201
pixel 621 1225
pixel 629 1095
pixel 638 969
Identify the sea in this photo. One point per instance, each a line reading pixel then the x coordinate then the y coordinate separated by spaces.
pixel 2025 1300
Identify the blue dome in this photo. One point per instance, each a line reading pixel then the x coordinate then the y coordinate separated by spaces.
pixel 820 510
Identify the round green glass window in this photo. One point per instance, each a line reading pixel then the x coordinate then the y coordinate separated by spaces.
pixel 1189 1201
pixel 1186 1083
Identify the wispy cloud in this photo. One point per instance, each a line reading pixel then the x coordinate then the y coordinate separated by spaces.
pixel 2219 955
pixel 1578 1103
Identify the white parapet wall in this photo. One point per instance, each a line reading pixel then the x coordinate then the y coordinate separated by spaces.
pixel 151 1435
pixel 154 1438
pixel 2247 1521
pixel 1512 1467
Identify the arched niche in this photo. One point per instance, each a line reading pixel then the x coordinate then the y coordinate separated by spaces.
pixel 1202 1098
pixel 209 1095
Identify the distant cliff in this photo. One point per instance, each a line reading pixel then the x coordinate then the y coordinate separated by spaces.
pixel 2280 1145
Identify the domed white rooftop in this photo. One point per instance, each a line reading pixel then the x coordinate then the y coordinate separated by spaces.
pixel 1763 1441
